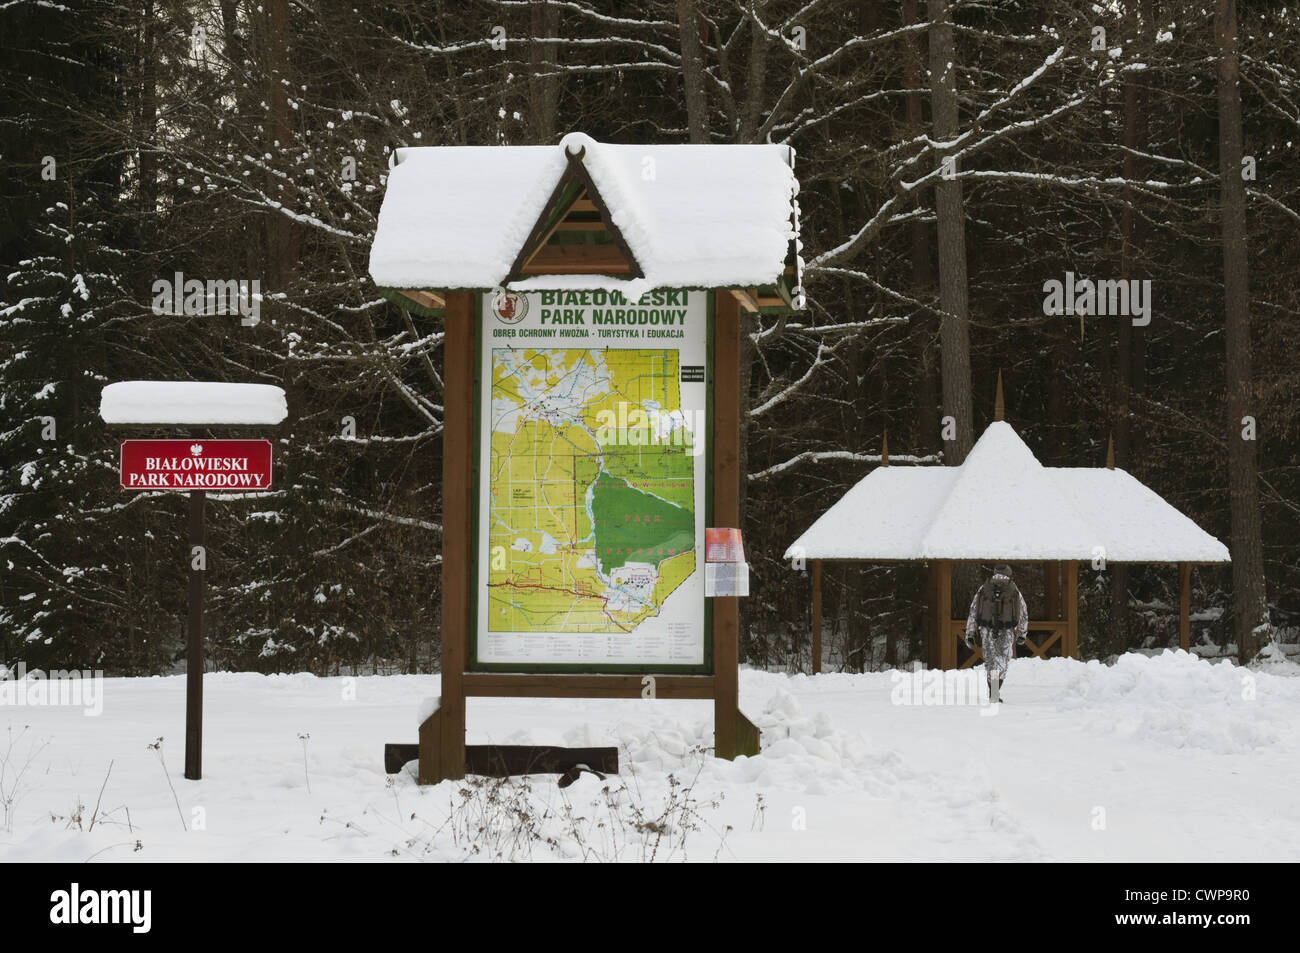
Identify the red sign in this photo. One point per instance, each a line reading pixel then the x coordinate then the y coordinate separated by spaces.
pixel 232 465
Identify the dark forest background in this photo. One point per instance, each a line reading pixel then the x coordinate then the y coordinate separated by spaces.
pixel 233 139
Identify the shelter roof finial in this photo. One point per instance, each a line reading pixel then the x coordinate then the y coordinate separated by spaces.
pixel 1110 452
pixel 884 448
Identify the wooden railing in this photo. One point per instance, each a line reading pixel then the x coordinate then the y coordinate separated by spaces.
pixel 1049 633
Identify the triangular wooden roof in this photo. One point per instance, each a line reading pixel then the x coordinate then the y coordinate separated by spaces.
pixel 584 215
pixel 574 233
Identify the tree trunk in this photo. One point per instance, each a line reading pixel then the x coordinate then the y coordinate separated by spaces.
pixel 693 79
pixel 954 323
pixel 1248 594
pixel 148 119
pixel 1137 356
pixel 954 326
pixel 145 143
pixel 543 91
pixel 281 239
pixel 924 325
pixel 1123 354
pixel 1123 351
pixel 752 111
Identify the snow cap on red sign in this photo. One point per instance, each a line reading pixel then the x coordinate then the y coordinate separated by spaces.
pixel 192 403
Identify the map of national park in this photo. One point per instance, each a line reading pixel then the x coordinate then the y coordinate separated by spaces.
pixel 591 521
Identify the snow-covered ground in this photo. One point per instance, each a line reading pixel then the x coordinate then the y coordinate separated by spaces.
pixel 1164 758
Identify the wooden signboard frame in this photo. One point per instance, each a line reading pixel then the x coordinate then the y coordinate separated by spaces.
pixel 442 735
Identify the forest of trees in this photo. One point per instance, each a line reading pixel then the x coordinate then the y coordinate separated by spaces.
pixel 953 156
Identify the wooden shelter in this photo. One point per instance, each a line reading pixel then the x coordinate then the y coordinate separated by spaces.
pixel 1002 506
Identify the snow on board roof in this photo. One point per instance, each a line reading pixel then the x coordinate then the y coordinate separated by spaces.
pixel 1001 503
pixel 192 403
pixel 694 216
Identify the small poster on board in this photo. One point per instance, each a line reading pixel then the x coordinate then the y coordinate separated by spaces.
pixel 726 574
pixel 723 546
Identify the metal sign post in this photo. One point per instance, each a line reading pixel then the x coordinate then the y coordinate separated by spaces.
pixel 194 643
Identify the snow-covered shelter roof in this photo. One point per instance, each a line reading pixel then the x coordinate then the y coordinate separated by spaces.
pixel 1002 504
pixel 193 403
pixel 692 216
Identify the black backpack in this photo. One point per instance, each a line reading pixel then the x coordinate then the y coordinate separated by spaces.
pixel 999 604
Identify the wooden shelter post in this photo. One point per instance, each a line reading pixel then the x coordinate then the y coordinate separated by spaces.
pixel 1052 586
pixel 1071 647
pixel 817 616
pixel 931 615
pixel 733 734
pixel 1185 606
pixel 944 651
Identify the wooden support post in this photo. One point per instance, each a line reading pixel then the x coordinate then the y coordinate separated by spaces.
pixel 194 644
pixel 457 513
pixel 1071 647
pixel 931 630
pixel 817 616
pixel 430 750
pixel 1052 586
pixel 945 654
pixel 1185 606
pixel 733 734
pixel 931 614
pixel 726 512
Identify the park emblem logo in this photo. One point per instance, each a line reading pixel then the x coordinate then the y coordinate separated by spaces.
pixel 510 308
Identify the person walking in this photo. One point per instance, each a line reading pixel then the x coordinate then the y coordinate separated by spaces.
pixel 998 615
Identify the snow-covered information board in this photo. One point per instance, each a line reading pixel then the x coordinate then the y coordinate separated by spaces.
pixel 591 480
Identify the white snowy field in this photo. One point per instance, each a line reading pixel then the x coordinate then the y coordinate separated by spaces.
pixel 1164 758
